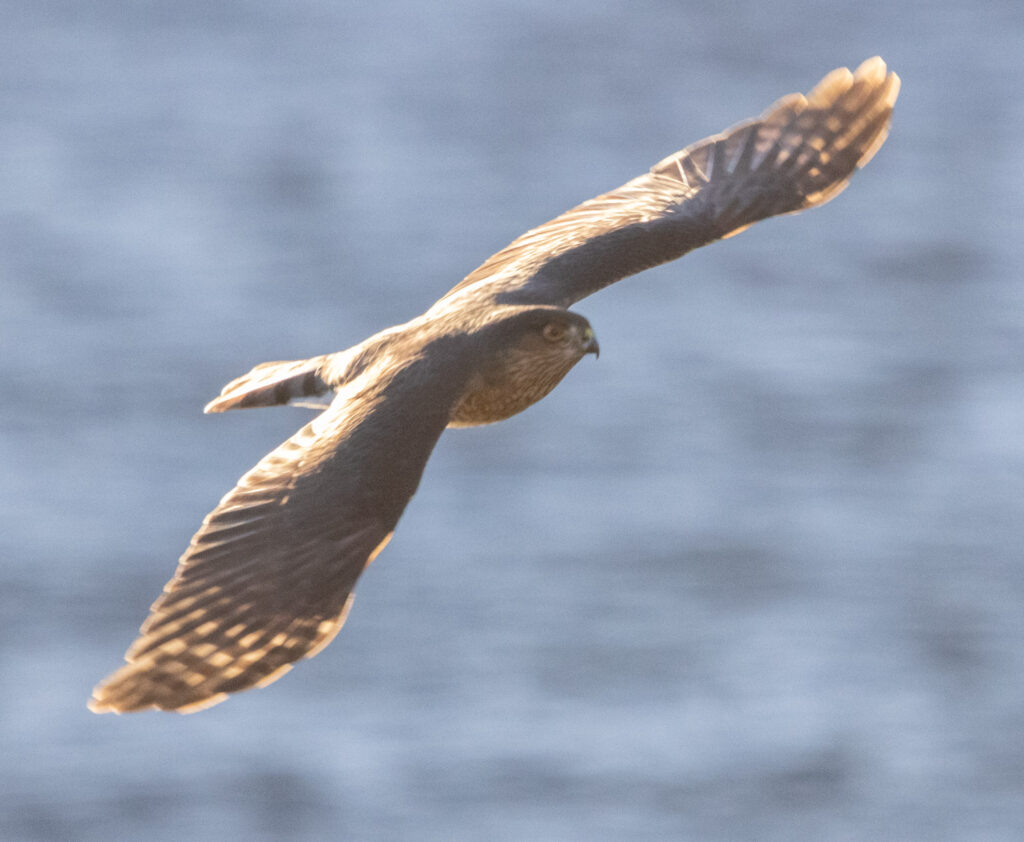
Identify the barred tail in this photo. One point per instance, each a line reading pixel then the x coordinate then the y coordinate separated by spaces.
pixel 270 384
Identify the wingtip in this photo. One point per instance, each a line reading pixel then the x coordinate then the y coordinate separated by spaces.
pixel 99 705
pixel 222 403
pixel 96 706
pixel 873 68
pixel 894 87
pixel 875 71
pixel 101 700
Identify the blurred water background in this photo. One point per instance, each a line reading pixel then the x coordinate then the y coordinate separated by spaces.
pixel 756 574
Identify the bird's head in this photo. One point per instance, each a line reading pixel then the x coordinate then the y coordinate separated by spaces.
pixel 521 354
pixel 546 337
pixel 554 333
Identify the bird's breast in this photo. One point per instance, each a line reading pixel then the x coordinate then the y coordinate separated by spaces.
pixel 505 390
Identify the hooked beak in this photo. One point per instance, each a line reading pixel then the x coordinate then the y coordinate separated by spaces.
pixel 590 345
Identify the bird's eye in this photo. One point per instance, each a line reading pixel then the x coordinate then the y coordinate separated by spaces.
pixel 555 331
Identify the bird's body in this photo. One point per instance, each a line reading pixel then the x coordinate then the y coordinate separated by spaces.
pixel 269 576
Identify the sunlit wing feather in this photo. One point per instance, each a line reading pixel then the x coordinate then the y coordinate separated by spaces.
pixel 800 153
pixel 268 578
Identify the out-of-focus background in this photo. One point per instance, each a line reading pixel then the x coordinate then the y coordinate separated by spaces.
pixel 755 574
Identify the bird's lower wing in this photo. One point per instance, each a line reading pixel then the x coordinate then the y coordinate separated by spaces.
pixel 268 578
pixel 800 153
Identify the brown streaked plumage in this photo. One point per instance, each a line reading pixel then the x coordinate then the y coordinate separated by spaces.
pixel 270 574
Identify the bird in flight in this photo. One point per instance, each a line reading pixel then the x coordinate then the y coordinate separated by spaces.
pixel 269 577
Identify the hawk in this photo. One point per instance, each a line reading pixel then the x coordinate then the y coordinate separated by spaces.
pixel 269 576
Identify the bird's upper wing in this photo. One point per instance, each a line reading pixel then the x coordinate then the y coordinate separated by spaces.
pixel 269 576
pixel 800 153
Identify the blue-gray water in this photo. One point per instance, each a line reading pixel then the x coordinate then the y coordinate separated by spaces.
pixel 755 574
